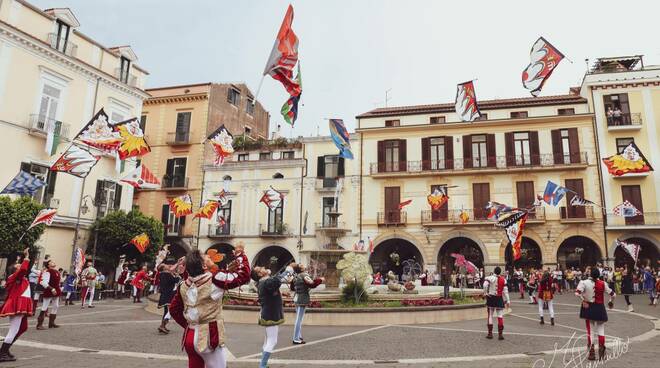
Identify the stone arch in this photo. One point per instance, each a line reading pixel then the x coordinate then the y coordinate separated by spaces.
pixel 461 234
pixel 461 245
pixel 533 255
pixel 633 234
pixel 532 235
pixel 179 248
pixel 401 235
pixel 577 231
pixel 382 262
pixel 568 256
pixel 274 257
pixel 649 253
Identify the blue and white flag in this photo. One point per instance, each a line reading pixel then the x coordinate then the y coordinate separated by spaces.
pixel 23 184
pixel 553 193
pixel 341 138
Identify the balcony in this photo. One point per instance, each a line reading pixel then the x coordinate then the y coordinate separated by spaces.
pixel 627 121
pixel 131 79
pixel 224 231
pixel 68 48
pixel 649 220
pixel 276 230
pixel 175 182
pixel 326 185
pixel 40 125
pixel 477 216
pixel 178 138
pixel 394 218
pixel 576 214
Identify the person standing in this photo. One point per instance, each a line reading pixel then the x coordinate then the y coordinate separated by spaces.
pixel 592 294
pixel 649 284
pixel 88 282
pixel 497 298
pixel 35 288
pixel 545 295
pixel 301 285
pixel 122 276
pixel 627 288
pixel 138 284
pixel 271 315
pixel 168 284
pixel 50 281
pixel 18 305
pixel 69 288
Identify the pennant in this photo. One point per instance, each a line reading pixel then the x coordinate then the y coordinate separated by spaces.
pixel 284 56
pixel 53 130
pixel 78 260
pixel 464 217
pixel 181 206
pixel 222 142
pixel 630 161
pixel 272 198
pixel 544 58
pixel 75 161
pixel 626 209
pixel 341 138
pixel 460 261
pixel 141 242
pixel 141 178
pixel 404 203
pixel 579 201
pixel 438 198
pixel 371 245
pixel 514 226
pixel 133 143
pixel 305 222
pixel 466 102
pixel 23 184
pixel 100 134
pixel 553 193
pixel 290 108
pixel 207 210
pixel 630 248
pixel 45 216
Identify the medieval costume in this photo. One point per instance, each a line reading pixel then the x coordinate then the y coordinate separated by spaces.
pixel 302 283
pixel 497 297
pixel 138 284
pixel 592 293
pixel 532 284
pixel 168 284
pixel 546 291
pixel 627 288
pixel 69 288
pixel 271 314
pixel 88 283
pixel 18 306
pixel 50 281
pixel 121 282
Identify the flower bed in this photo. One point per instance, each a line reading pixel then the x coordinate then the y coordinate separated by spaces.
pixel 426 302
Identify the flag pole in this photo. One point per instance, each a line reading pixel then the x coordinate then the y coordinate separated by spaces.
pixel 77 228
pixel 256 94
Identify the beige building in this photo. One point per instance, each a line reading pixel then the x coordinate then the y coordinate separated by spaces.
pixel 53 75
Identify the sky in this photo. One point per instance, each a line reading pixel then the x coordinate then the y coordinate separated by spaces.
pixel 352 52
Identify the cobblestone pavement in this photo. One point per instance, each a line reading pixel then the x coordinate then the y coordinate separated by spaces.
pixel 122 334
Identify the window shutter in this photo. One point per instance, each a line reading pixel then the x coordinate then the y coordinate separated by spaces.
pixel 467 151
pixel 557 150
pixel 534 148
pixel 490 150
pixel 170 167
pixel 182 221
pixel 381 156
pixel 403 164
pixel 25 166
pixel 574 145
pixel 340 167
pixel 118 189
pixel 50 189
pixel 165 215
pixel 449 153
pixel 320 167
pixel 509 150
pixel 426 153
pixel 98 197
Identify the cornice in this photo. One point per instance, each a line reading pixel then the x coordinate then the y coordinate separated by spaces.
pixel 627 85
pixel 176 99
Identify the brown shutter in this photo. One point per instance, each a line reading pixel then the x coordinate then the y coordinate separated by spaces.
pixel 480 197
pixel 426 154
pixel 381 156
pixel 467 151
pixel 557 149
pixel 633 194
pixel 403 164
pixel 392 200
pixel 534 148
pixel 320 166
pixel 574 185
pixel 574 145
pixel 490 150
pixel 509 150
pixel 449 153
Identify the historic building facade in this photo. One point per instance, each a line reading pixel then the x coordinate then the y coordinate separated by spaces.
pixel 52 76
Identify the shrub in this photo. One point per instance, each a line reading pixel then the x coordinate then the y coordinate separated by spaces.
pixel 354 292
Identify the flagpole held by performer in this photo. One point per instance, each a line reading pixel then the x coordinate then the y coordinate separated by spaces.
pixel 17 306
pixel 497 298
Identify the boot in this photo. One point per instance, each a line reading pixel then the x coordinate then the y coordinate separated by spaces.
pixel 34 304
pixel 601 352
pixel 490 332
pixel 40 320
pixel 499 332
pixel 592 352
pixel 542 321
pixel 4 353
pixel 51 321
pixel 552 321
pixel 630 308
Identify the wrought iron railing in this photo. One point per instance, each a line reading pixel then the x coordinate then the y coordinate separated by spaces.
pixel 647 219
pixel 176 138
pixel 625 119
pixel 66 47
pixel 392 218
pixel 274 229
pixel 576 213
pixel 43 124
pixel 217 230
pixel 474 215
pixel 129 79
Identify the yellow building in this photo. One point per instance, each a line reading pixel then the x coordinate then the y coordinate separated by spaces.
pixel 53 75
pixel 624 95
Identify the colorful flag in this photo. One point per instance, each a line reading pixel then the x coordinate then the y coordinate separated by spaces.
pixel 629 161
pixel 460 261
pixel 284 55
pixel 75 161
pixel 464 217
pixel 133 143
pixel 23 184
pixel 538 202
pixel 626 209
pixel 495 209
pixel 544 58
pixel 630 248
pixel 514 225
pixel 579 201
pixel 78 260
pixel 222 142
pixel 553 193
pixel 207 210
pixel 216 257
pixel 466 102
pixel 141 178
pixel 438 198
pixel 181 206
pixel 221 220
pixel 341 138
pixel 222 198
pixel 100 134
pixel 404 203
pixel 53 130
pixel 141 242
pixel 290 108
pixel 45 216
pixel 272 198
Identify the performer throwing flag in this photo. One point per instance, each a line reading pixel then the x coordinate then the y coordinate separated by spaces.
pixel 17 306
pixel 592 293
pixel 497 298
pixel 272 313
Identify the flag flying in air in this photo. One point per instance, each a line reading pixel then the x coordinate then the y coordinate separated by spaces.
pixel 460 261
pixel 404 203
pixel 514 225
pixel 579 201
pixel 78 260
pixel 544 58
pixel 141 242
pixel 222 142
pixel 630 248
pixel 629 161
pixel 341 138
pixel 553 193
pixel 290 108
pixel 53 130
pixel 495 209
pixel 284 56
pixel 466 102
pixel 626 209
pixel 207 210
pixel 45 216
pixel 438 198
pixel 75 161
pixel 222 197
pixel 181 206
pixel 23 184
pixel 141 178
pixel 272 198
pixel 100 134
pixel 538 202
pixel 215 255
pixel 133 143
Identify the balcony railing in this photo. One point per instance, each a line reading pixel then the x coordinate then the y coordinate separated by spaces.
pixel 41 124
pixel 648 219
pixel 576 214
pixel 392 218
pixel 131 79
pixel 175 182
pixel 220 231
pixel 178 138
pixel 277 229
pixel 626 119
pixel 329 225
pixel 68 48
pixel 174 231
pixel 475 216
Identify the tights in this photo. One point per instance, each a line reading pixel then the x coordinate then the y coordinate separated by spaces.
pixel 627 297
pixel 216 358
pixel 551 308
pixel 497 312
pixel 271 338
pixel 17 325
pixel 599 328
pixel 55 300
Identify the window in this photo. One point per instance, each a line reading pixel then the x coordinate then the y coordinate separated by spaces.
pixel 442 214
pixel 233 96
pixel 329 168
pixel 521 148
pixel 575 187
pixel 518 114
pixel 622 143
pixel 328 206
pixel 247 130
pixel 44 194
pixel 392 213
pixel 570 111
pixel 265 156
pixel 182 133
pixel 62 39
pixel 617 109
pixel 224 219
pixel 108 197
pixel 50 99
pixel 479 151
pixel 143 123
pixel 526 196
pixel 287 155
pixel 437 120
pixel 243 157
pixel 565 146
pixel 392 155
pixel 173 225
pixel 483 116
pixel 278 176
pixel 249 107
pixel 633 194
pixel 125 69
pixel 437 146
pixel 226 178
pixel 175 176
pixel 276 220
pixel 392 123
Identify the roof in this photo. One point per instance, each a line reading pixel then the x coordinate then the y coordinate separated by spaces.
pixel 617 64
pixel 483 105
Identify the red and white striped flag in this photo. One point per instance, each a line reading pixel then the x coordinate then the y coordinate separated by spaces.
pixel 45 216
pixel 284 56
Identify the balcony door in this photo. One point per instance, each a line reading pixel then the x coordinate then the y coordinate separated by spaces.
pixel 276 220
pixel 574 185
pixel 328 206
pixel 50 99
pixel 392 155
pixel 480 198
pixel 182 127
pixel 176 172
pixel 617 109
pixel 565 146
pixel 633 194
pixel 392 200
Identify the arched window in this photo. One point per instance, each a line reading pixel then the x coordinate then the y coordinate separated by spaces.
pixel 278 176
pixel 226 178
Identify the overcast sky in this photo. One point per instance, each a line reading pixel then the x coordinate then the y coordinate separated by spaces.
pixel 352 51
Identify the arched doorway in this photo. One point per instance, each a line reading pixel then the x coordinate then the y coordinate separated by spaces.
pixel 461 245
pixel 390 255
pixel 531 256
pixel 227 251
pixel 578 252
pixel 648 254
pixel 273 257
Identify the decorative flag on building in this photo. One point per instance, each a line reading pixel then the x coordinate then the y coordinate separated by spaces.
pixel 466 102
pixel 181 206
pixel 45 216
pixel 222 221
pixel 460 261
pixel 579 201
pixel 133 143
pixel 141 178
pixel 495 209
pixel 222 142
pixel 284 56
pixel 290 108
pixel 272 198
pixel 626 209
pixel 53 130
pixel 222 198
pixel 553 193
pixel 141 242
pixel 100 134
pixel 538 202
pixel 438 198
pixel 514 225
pixel 629 161
pixel 630 248
pixel 341 138
pixel 207 210
pixel 464 217
pixel 23 184
pixel 78 260
pixel 544 58
pixel 75 161
pixel 404 203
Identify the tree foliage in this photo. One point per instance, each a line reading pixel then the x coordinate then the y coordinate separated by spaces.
pixel 15 217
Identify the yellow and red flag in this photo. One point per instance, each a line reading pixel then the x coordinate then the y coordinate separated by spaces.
pixel 215 256
pixel 133 143
pixel 464 217
pixel 141 242
pixel 181 206
pixel 207 210
pixel 438 198
pixel 629 161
